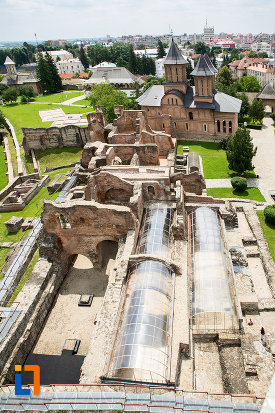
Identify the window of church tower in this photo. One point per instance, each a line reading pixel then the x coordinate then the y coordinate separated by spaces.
pixel 176 101
pixel 191 115
pixel 224 126
pixel 172 101
pixel 202 87
pixel 177 74
pixel 218 125
pixel 168 101
pixel 230 126
pixel 187 126
pixel 204 127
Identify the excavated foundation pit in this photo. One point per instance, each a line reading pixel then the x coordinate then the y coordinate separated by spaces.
pixel 67 320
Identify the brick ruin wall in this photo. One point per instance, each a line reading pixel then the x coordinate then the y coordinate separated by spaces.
pixel 44 138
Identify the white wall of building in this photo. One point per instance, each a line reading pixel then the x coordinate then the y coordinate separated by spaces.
pixel 66 67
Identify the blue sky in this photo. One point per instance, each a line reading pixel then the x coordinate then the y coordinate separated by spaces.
pixel 51 19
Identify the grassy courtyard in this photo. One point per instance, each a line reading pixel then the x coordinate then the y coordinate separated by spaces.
pixel 269 233
pixel 56 156
pixel 215 165
pixel 84 102
pixel 250 193
pixel 27 116
pixel 58 97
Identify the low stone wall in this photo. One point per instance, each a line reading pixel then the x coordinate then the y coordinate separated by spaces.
pixel 19 206
pixel 18 180
pixel 35 300
pixel 44 138
pixel 197 137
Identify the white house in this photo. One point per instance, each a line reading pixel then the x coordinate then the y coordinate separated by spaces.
pixel 66 67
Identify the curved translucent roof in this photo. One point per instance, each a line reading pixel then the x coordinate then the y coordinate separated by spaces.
pixel 143 342
pixel 155 235
pixel 211 291
pixel 142 352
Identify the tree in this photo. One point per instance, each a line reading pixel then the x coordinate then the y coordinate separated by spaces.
pixel 57 82
pixel 189 70
pixel 240 151
pixel 132 63
pixel 224 76
pixel 107 96
pixel 10 95
pixel 245 106
pixel 256 110
pixel 161 51
pixel 44 75
pixel 26 91
pixel 84 59
pixel 201 48
pixel 153 80
pixel 249 84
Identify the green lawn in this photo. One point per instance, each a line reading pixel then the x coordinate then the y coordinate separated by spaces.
pixel 85 102
pixel 250 193
pixel 3 169
pixel 269 233
pixel 57 156
pixel 35 206
pixel 27 115
pixel 214 160
pixel 58 97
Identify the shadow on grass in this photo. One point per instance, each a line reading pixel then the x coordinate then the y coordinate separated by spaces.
pixel 240 193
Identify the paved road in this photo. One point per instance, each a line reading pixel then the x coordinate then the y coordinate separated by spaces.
pixel 264 160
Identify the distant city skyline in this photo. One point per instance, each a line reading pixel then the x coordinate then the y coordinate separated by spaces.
pixel 69 19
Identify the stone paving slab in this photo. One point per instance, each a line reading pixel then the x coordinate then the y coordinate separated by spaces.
pixel 61 119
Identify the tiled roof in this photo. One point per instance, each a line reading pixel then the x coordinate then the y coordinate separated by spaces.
pixel 113 75
pixel 221 103
pixel 267 92
pixel 174 56
pixel 204 67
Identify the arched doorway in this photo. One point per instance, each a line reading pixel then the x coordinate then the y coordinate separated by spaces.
pixel 106 251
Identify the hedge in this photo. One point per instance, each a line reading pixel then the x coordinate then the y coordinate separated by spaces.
pixel 269 214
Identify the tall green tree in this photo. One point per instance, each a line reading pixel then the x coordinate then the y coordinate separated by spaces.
pixel 224 76
pixel 240 151
pixel 161 51
pixel 249 84
pixel 44 75
pixel 256 110
pixel 57 82
pixel 245 106
pixel 189 70
pixel 83 58
pixel 201 48
pixel 132 64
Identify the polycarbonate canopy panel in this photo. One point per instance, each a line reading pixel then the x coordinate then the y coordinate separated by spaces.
pixel 156 230
pixel 143 343
pixel 211 291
